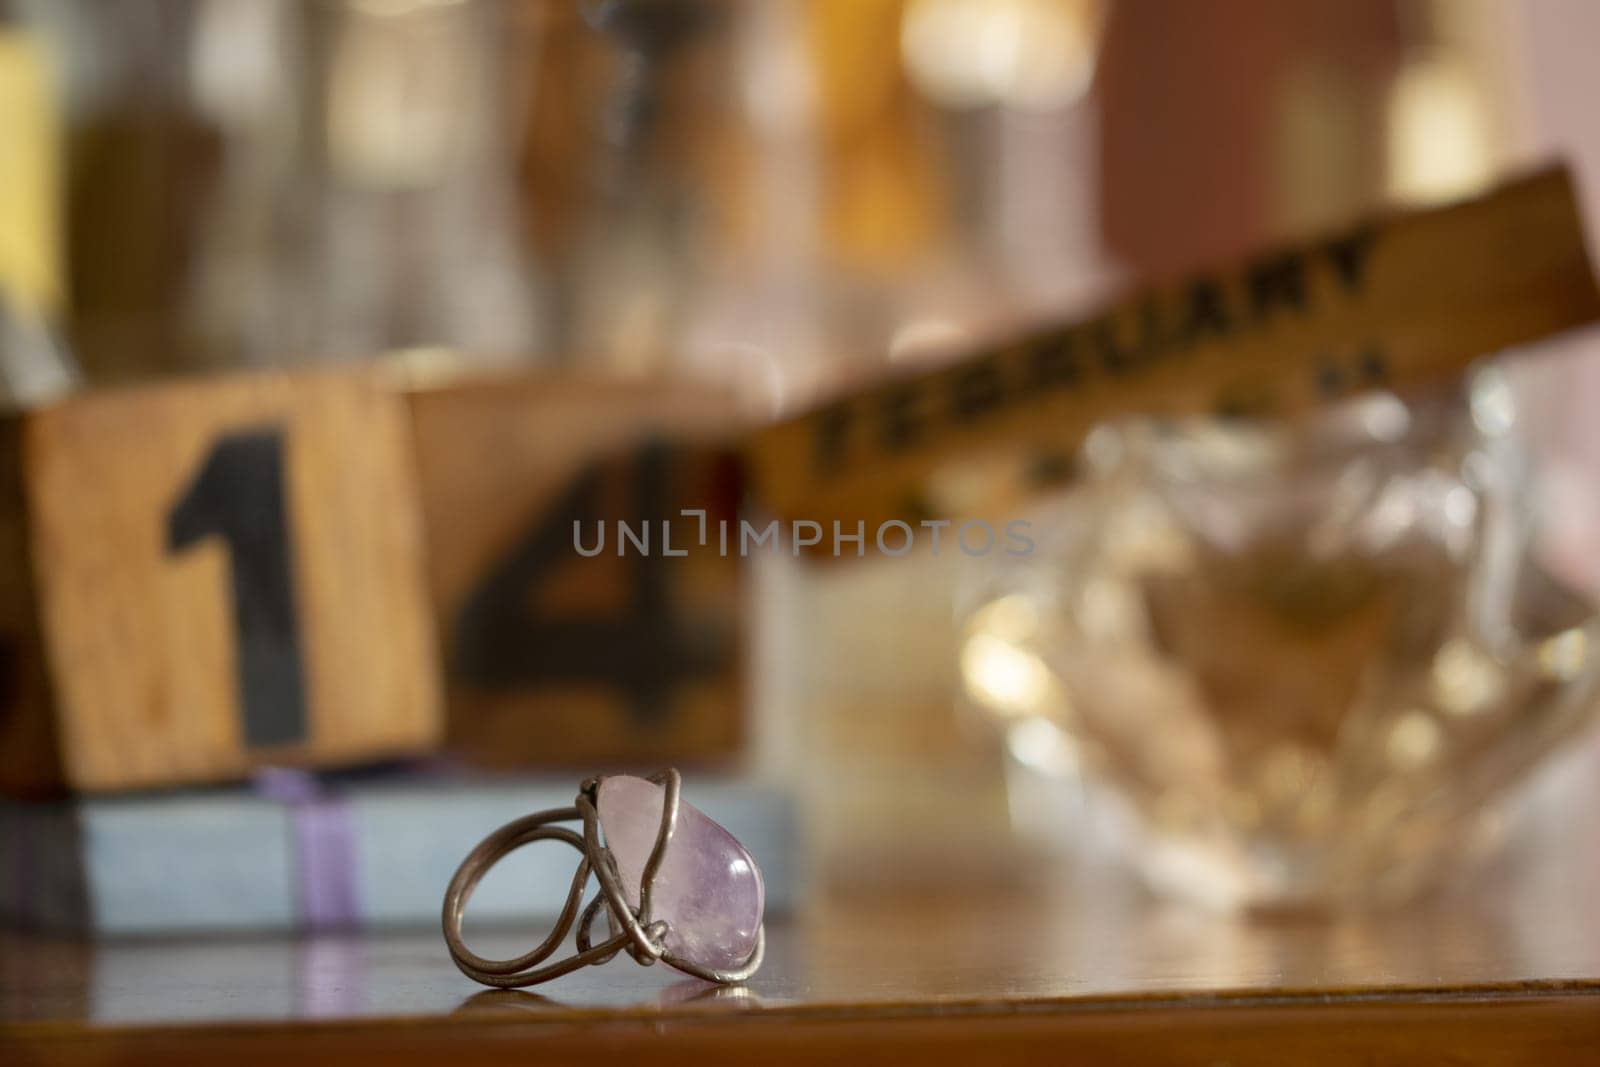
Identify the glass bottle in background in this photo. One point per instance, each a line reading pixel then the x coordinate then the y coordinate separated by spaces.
pixel 1544 85
pixel 1310 657
pixel 761 196
pixel 244 72
pixel 34 365
pixel 396 224
pixel 138 186
pixel 943 218
pixel 639 252
pixel 307 181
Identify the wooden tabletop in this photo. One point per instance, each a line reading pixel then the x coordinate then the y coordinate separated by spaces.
pixel 1503 967
pixel 930 979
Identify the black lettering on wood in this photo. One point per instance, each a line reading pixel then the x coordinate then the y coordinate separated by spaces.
pixel 976 390
pixel 1275 285
pixel 1205 312
pixel 1350 256
pixel 238 496
pixel 501 641
pixel 901 420
pixel 1053 361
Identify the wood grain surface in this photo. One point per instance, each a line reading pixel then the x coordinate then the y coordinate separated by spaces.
pixel 221 574
pixel 552 657
pixel 953 981
pixel 1393 302
pixel 1500 968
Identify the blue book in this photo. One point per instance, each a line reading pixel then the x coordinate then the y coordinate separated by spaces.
pixel 302 854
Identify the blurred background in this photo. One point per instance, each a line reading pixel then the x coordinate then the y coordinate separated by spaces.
pixel 781 196
pixel 773 200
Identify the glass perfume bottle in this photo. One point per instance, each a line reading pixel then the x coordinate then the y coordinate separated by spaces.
pixel 1309 657
pixel 34 363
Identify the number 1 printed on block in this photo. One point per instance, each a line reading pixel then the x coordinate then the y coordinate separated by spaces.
pixel 238 496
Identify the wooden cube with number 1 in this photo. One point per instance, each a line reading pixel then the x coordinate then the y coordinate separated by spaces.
pixel 204 578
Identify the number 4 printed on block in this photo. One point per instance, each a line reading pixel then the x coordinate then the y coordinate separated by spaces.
pixel 646 652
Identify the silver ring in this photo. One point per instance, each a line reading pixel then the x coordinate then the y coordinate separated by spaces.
pixel 632 930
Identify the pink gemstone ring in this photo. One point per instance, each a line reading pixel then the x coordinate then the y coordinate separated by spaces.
pixel 675 886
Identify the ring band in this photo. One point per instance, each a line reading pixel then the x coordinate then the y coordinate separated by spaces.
pixel 632 929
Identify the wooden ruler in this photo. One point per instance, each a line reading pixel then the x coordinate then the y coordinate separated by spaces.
pixel 1394 302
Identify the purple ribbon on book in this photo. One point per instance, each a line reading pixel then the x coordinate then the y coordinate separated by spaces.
pixel 324 843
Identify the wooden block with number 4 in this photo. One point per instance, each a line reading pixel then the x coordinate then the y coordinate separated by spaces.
pixel 202 578
pixel 556 657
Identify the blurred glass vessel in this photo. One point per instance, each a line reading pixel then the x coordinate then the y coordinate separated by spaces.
pixel 1307 656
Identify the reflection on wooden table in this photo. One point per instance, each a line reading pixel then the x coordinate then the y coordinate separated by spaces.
pixel 1503 968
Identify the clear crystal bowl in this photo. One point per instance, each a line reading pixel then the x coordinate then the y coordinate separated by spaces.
pixel 1308 657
